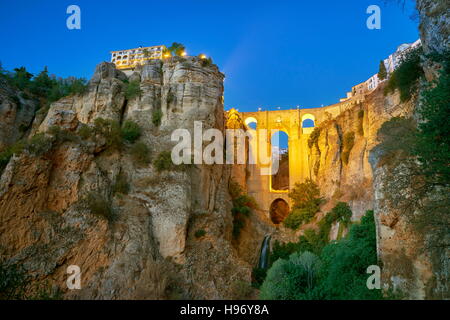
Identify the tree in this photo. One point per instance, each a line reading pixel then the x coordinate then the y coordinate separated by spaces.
pixel 306 195
pixel 382 73
pixel 177 49
pixel 292 279
pixel 21 78
pixel 42 84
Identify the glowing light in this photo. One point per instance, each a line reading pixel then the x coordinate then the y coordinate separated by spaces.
pixel 183 54
pixel 203 56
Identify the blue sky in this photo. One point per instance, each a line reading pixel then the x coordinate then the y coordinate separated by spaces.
pixel 273 53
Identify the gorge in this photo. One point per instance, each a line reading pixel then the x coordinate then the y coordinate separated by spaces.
pixel 87 180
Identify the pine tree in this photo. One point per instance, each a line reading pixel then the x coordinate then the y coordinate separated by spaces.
pixel 382 73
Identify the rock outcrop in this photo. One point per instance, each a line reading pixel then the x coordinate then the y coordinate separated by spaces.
pixel 16 113
pixel 145 247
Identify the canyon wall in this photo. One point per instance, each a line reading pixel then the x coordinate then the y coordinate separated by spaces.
pixel 146 247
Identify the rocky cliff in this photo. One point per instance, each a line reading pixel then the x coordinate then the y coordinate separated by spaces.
pixel 143 243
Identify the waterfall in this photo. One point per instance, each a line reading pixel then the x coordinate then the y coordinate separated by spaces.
pixel 263 262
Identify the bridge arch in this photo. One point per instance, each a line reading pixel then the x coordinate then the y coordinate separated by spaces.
pixel 279 210
pixel 251 123
pixel 308 123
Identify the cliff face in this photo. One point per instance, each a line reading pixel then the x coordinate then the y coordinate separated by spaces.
pixel 339 156
pixel 149 249
pixel 415 261
pixel 16 114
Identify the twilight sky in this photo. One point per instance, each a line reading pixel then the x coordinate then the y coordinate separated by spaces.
pixel 273 53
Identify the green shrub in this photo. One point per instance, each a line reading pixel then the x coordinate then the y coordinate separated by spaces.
pixel 200 233
pixel 12 281
pixel 140 153
pixel 121 185
pixel 163 161
pixel 406 76
pixel 335 271
pixel 298 217
pixel 62 135
pixel 78 86
pixel 132 89
pixel 156 117
pixel 242 205
pixel 39 144
pixel 131 131
pixel 110 130
pixel 344 263
pixel 340 213
pixel 347 145
pixel 306 195
pixel 292 279
pixel 85 131
pixel 433 136
pixel 100 206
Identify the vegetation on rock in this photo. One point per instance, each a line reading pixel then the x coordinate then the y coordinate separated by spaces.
pixel 306 201
pixel 405 77
pixel 242 206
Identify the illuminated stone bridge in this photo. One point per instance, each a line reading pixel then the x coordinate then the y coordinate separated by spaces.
pixel 297 124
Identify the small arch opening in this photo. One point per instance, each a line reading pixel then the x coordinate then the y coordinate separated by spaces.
pixel 279 210
pixel 251 123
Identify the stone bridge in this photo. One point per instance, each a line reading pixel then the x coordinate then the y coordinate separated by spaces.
pixel 292 122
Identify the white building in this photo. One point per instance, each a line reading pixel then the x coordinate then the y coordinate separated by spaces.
pixel 391 63
pixel 395 59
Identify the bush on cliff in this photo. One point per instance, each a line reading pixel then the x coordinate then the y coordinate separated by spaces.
pixel 131 131
pixel 306 201
pixel 298 217
pixel 140 153
pixel 344 263
pixel 433 137
pixel 132 89
pixel 156 117
pixel 292 279
pixel 110 130
pixel 12 282
pixel 163 161
pixel 405 77
pixel 242 206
